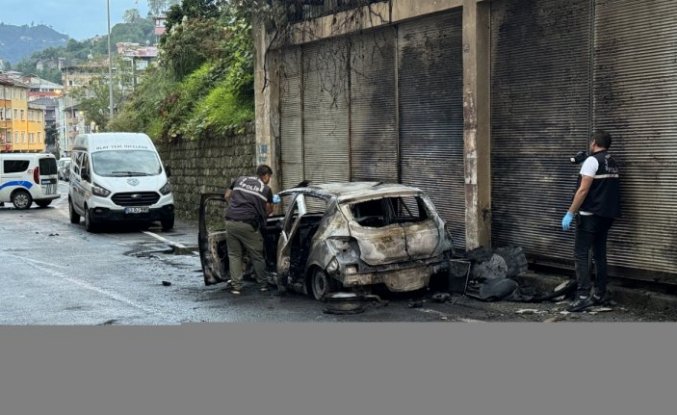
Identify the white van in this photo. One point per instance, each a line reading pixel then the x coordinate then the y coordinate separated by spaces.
pixel 26 178
pixel 118 177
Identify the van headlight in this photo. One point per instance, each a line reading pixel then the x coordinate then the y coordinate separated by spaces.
pixel 100 191
pixel 166 189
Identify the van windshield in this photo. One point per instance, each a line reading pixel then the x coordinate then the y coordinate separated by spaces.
pixel 125 163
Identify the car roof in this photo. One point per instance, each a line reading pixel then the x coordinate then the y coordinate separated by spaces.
pixel 95 140
pixel 352 191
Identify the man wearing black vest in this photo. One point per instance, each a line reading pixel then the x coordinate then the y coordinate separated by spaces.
pixel 597 202
pixel 250 203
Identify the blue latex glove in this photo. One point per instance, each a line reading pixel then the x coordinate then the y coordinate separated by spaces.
pixel 276 199
pixel 566 221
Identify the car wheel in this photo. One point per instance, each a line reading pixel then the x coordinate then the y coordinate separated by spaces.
pixel 321 284
pixel 168 223
pixel 90 225
pixel 43 203
pixel 75 218
pixel 22 199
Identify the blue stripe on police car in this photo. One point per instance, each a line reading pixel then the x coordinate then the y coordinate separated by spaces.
pixel 21 183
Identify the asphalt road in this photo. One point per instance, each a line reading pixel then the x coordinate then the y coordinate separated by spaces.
pixel 56 273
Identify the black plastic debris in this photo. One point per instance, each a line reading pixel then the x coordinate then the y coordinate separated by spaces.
pixel 166 283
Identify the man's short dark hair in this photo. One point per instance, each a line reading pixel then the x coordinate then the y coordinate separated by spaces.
pixel 263 169
pixel 601 138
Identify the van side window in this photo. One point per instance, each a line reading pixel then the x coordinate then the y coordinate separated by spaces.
pixel 76 163
pixel 84 169
pixel 15 166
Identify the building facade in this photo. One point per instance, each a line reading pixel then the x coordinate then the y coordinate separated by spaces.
pixel 481 103
pixel 24 123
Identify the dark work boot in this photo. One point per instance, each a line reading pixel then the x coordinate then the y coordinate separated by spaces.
pixel 600 299
pixel 580 303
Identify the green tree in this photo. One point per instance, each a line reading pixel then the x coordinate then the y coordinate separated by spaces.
pixel 51 135
pixel 155 7
pixel 204 84
pixel 132 16
pixel 95 101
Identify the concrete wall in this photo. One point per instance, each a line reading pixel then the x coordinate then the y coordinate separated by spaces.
pixel 206 166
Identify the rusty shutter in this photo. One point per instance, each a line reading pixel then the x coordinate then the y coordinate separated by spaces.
pixel 431 113
pixel 540 116
pixel 636 101
pixel 373 107
pixel 325 111
pixel 291 126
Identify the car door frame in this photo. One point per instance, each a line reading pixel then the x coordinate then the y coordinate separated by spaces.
pixel 289 230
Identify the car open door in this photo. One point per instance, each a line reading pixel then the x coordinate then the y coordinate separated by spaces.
pixel 290 227
pixel 212 239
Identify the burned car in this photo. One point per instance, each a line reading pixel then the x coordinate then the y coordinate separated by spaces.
pixel 340 236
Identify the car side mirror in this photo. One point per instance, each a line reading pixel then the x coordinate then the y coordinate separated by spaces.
pixel 168 171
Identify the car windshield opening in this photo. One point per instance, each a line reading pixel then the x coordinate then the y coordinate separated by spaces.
pixel 390 210
pixel 126 163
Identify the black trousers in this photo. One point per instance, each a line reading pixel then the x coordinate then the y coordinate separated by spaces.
pixel 591 232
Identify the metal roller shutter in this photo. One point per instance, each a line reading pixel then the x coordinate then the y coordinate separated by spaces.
pixel 636 100
pixel 540 116
pixel 373 107
pixel 431 113
pixel 325 111
pixel 291 125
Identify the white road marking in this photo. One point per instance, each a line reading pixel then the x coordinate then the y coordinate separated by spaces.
pixel 36 261
pixel 88 286
pixel 165 240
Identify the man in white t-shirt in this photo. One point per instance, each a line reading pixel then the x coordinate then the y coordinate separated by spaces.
pixel 597 202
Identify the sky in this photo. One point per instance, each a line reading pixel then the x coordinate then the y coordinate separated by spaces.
pixel 79 19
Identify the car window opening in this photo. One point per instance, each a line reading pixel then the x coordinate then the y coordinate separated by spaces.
pixel 388 211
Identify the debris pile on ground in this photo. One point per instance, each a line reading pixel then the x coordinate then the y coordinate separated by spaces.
pixel 492 274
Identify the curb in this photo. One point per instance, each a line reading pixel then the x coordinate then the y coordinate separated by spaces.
pixel 640 298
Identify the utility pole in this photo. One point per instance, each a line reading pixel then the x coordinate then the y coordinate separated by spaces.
pixel 110 65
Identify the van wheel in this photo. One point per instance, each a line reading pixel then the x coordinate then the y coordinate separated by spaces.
pixel 322 285
pixel 75 218
pixel 43 203
pixel 22 199
pixel 90 225
pixel 168 223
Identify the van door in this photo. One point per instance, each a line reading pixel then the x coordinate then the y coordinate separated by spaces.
pixel 76 189
pixel 48 176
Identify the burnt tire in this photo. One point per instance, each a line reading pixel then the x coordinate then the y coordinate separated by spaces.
pixel 43 203
pixel 75 218
pixel 90 224
pixel 21 199
pixel 322 285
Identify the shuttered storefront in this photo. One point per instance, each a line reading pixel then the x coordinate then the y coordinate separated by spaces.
pixel 291 123
pixel 635 95
pixel 431 113
pixel 373 106
pixel 540 116
pixel 325 111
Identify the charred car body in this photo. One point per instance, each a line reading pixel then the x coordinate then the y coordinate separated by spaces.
pixel 340 235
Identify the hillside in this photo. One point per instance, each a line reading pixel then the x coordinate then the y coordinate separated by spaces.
pixel 18 42
pixel 44 63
